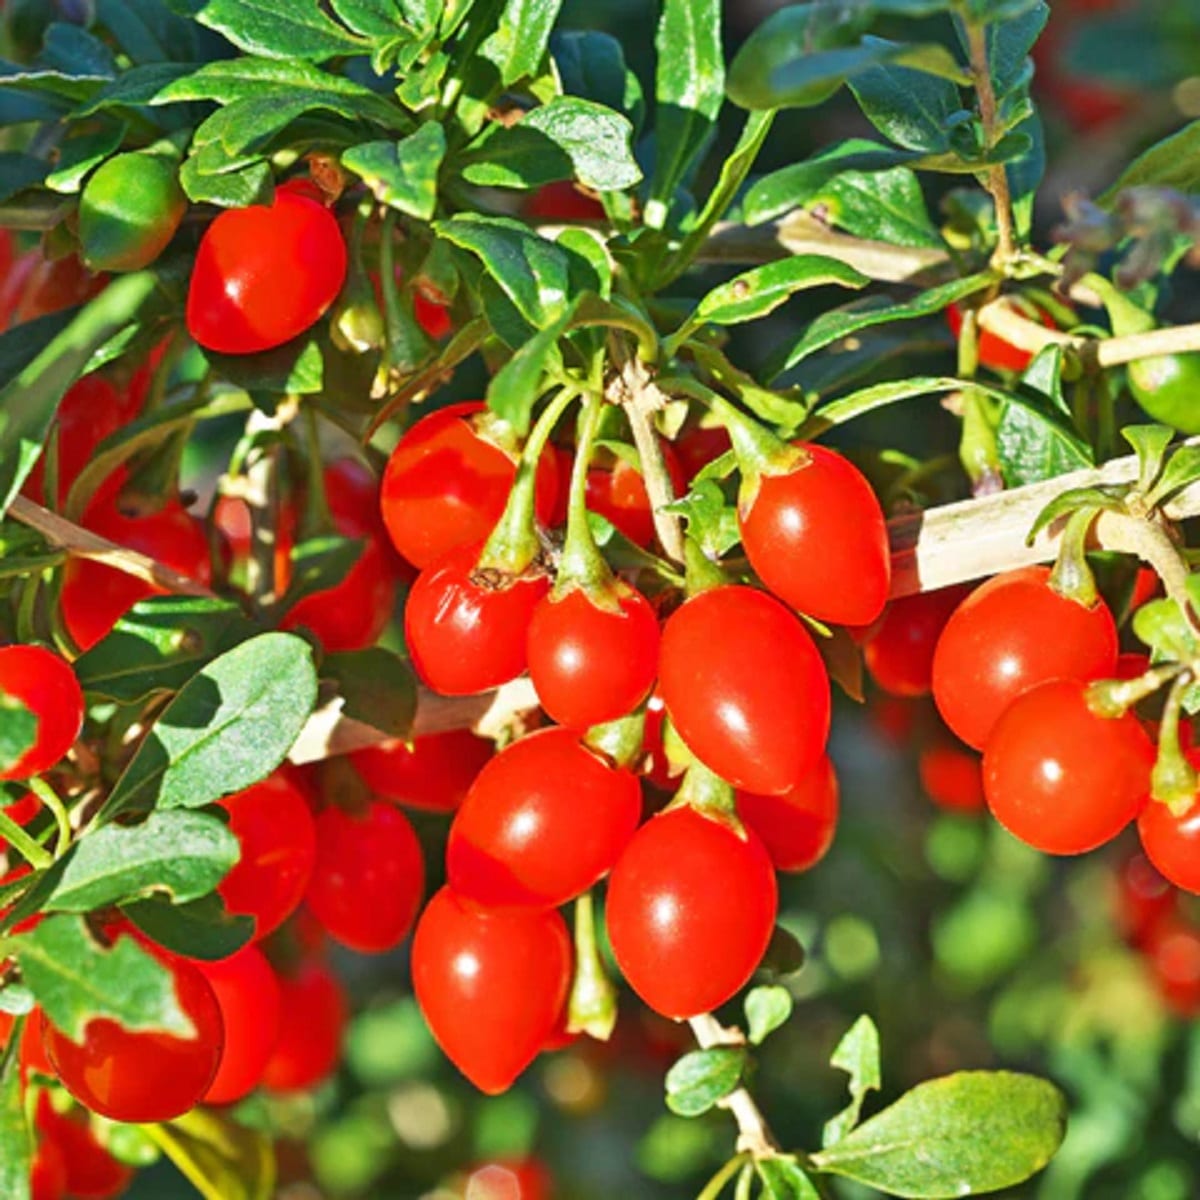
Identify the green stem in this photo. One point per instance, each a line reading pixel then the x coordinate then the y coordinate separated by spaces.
pixel 582 564
pixel 317 516
pixel 593 1003
pixel 706 792
pixel 716 1185
pixel 1113 697
pixel 513 545
pixel 1173 781
pixel 701 573
pixel 1071 576
pixel 24 845
pixel 62 819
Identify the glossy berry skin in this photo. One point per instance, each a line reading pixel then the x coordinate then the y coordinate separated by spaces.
pixel 95 597
pixel 899 651
pixel 684 942
pixel 797 827
pixel 278 839
pixel 1061 778
pixel 446 485
pixel 699 446
pixel 247 993
pixel 591 663
pixel 952 777
pixel 1172 843
pixel 369 877
pixel 265 273
pixel 140 1076
pixel 44 684
pixel 821 511
pixel 544 821
pixel 491 985
pixel 467 630
pixel 993 350
pixel 433 773
pixel 313 1013
pixel 1009 635
pixel 745 688
pixel 91 1173
pixel 618 493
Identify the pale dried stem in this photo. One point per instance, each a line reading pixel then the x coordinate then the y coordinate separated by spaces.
pixel 754 1135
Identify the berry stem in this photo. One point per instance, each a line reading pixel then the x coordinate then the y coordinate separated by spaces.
pixel 716 1185
pixel 754 1135
pixel 592 1007
pixel 1173 781
pixel 1072 578
pixel 38 858
pixel 581 564
pixel 51 799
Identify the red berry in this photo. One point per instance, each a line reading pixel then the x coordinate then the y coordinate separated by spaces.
pixel 37 286
pixel 491 985
pixel 822 511
pixel 1172 843
pixel 699 446
pixel 510 1180
pixel 562 201
pixel 247 993
pixel 899 650
pixel 691 907
pixel 589 662
pixel 44 684
pixel 446 485
pixel 993 350
pixel 745 688
pixel 141 1076
pixel 1060 777
pixel 91 1172
pixel 265 273
pixel 1144 899
pixel 1174 951
pixel 796 827
pixel 1008 636
pixel 312 1017
pixel 48 1176
pixel 467 629
pixel 952 777
pixel 618 493
pixel 544 821
pixel 369 877
pixel 432 773
pixel 275 829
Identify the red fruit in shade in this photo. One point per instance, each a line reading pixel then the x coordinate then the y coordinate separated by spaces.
pixel 1061 778
pixel 1172 843
pixel 48 1175
pixel 143 1076
pixel 275 829
pixel 263 274
pixel 899 650
pixel 247 993
pixel 1008 636
pixel 655 765
pixel 1174 953
pixel 821 511
pixel 618 493
pixel 545 819
pixel 1144 899
pixel 691 907
pixel 432 773
pixel 796 827
pixel 369 877
pixel 43 683
pixel 993 350
pixel 467 629
pixel 91 1173
pixel 312 1018
pixel 37 286
pixel 592 662
pixel 491 985
pixel 562 201
pixel 95 597
pixel 699 446
pixel 446 485
pixel 745 688
pixel 952 777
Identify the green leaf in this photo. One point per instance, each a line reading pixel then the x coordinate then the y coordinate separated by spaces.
pixel 402 174
pixel 712 520
pixel 1165 629
pixel 757 292
pixel 297 29
pixel 76 980
pixel 1009 43
pixel 296 368
pixel 185 854
pixel 886 206
pixel 381 18
pixel 78 156
pixel 1181 471
pixel 699 1079
pixel 567 138
pixel 318 564
pixel 376 687
pixel 247 76
pixel 228 189
pixel 203 929
pixel 159 644
pixel 222 1159
pixel 532 272
pixel 592 66
pixel 977 1131
pixel 19 171
pixel 519 42
pixel 858 1055
pixel 134 88
pixel 18 730
pixel 1173 162
pixel 147 30
pixel 41 359
pixel 909 107
pixel 784 1179
pixel 229 727
pixel 689 87
pixel 16 1140
pixel 515 388
pixel 1025 174
pixel 767 1009
pixel 795 185
pixel 839 323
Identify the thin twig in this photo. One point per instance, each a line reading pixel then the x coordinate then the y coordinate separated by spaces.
pixel 754 1135
pixel 997 178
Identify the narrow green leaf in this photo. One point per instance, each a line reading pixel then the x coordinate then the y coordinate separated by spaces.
pixel 202 929
pixel 222 1159
pixel 519 42
pixel 977 1131
pixel 699 1079
pixel 229 188
pixel 784 1179
pixel 767 1008
pixel 376 686
pixel 247 76
pixel 19 171
pixel 76 980
pixel 592 66
pixel 908 107
pixel 1173 162
pixel 184 854
pixel 858 1055
pixel 689 88
pixel 16 1140
pixel 133 88
pixel 515 388
pixel 754 293
pixel 298 29
pixel 297 368
pixel 80 155
pixel 402 174
pixel 886 206
pixel 229 727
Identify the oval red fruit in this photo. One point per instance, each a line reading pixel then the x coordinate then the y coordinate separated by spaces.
pixel 796 827
pixel 44 684
pixel 312 1018
pixel 432 773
